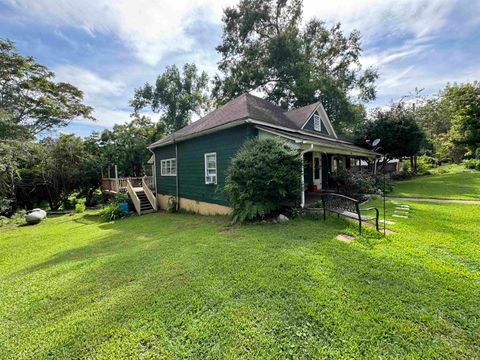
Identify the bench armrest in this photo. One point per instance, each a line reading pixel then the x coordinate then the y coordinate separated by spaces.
pixel 371 208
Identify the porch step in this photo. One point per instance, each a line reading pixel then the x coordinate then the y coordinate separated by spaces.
pixel 145 206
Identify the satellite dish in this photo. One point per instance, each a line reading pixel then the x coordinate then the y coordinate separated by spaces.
pixel 376 142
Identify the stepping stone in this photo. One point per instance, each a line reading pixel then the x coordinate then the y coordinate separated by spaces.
pixel 401 212
pixel 400 216
pixel 388 222
pixel 345 238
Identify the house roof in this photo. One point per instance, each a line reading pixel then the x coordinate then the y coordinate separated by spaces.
pixel 246 106
pixel 300 115
pixel 320 140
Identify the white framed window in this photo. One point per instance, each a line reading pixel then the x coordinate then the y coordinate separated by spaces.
pixel 211 168
pixel 317 123
pixel 168 167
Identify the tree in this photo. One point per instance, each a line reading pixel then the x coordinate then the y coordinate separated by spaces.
pixel 126 145
pixel 264 48
pixel 60 167
pixel 31 99
pixel 263 176
pixel 463 104
pixel 399 133
pixel 176 96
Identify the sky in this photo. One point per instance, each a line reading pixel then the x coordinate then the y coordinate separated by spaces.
pixel 108 48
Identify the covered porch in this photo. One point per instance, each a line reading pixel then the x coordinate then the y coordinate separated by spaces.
pixel 318 166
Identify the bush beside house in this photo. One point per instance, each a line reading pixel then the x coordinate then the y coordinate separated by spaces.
pixel 263 177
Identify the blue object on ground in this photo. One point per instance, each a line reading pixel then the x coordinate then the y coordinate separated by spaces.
pixel 124 207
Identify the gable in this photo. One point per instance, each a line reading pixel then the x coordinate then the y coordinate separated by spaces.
pixel 310 124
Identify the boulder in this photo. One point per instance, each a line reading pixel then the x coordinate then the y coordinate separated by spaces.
pixel 282 218
pixel 34 217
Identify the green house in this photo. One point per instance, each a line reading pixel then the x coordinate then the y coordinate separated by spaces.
pixel 191 164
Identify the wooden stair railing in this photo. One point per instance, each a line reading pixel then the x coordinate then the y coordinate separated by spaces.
pixel 134 197
pixel 149 193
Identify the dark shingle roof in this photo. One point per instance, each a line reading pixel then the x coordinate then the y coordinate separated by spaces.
pixel 321 140
pixel 240 108
pixel 300 115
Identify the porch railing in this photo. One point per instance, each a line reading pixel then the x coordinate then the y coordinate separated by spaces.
pixel 120 184
pixel 147 190
pixel 134 197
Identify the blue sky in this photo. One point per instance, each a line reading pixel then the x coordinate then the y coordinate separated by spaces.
pixel 108 48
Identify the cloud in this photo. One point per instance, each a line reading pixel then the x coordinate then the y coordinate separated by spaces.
pixel 150 28
pixel 383 18
pixel 106 96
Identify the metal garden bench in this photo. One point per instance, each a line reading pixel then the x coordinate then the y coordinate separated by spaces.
pixel 348 207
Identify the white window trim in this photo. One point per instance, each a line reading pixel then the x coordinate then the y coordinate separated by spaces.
pixel 206 169
pixel 316 118
pixel 168 166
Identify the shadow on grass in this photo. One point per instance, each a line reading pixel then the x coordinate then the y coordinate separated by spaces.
pixel 190 289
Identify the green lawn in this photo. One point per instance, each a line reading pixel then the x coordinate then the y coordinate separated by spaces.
pixel 179 286
pixel 460 185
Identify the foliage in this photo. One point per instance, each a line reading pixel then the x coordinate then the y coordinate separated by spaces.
pixel 473 164
pixel 16 219
pixel 357 184
pixel 397 130
pixel 125 146
pixel 266 48
pixel 112 212
pixel 60 167
pixel 30 100
pixel 463 102
pixel 426 163
pixel 80 208
pixel 263 176
pixel 176 96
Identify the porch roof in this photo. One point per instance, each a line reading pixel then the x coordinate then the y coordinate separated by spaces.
pixel 329 145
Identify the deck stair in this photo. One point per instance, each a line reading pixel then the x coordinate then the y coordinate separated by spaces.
pixel 145 206
pixel 143 197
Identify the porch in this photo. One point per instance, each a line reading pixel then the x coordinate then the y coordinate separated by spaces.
pixel 141 191
pixel 320 162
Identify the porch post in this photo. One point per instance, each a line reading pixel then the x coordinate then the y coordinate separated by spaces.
pixel 302 204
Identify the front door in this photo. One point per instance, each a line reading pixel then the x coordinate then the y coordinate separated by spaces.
pixel 317 170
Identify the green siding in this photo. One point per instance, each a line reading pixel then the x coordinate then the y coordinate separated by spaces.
pixel 191 163
pixel 309 125
pixel 165 184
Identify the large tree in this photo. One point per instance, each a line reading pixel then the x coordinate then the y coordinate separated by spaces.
pixel 265 48
pixel 175 95
pixel 463 104
pixel 32 101
pixel 400 135
pixel 126 145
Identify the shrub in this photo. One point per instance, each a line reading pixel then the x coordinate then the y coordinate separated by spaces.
pixel 425 163
pixel 112 212
pixel 353 182
pixel 472 164
pixel 263 176
pixel 80 208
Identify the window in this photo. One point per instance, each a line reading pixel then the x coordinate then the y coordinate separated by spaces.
pixel 169 167
pixel 211 168
pixel 317 123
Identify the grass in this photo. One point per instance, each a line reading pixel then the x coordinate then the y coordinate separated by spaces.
pixel 185 286
pixel 456 184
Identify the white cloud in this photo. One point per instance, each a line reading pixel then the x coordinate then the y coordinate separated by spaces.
pixel 378 18
pixel 106 96
pixel 89 82
pixel 151 28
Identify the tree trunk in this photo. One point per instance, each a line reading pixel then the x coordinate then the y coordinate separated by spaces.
pixel 412 165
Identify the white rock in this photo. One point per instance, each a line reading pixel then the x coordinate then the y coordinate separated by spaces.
pixel 282 218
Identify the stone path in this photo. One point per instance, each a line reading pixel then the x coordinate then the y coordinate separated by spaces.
pixel 443 201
